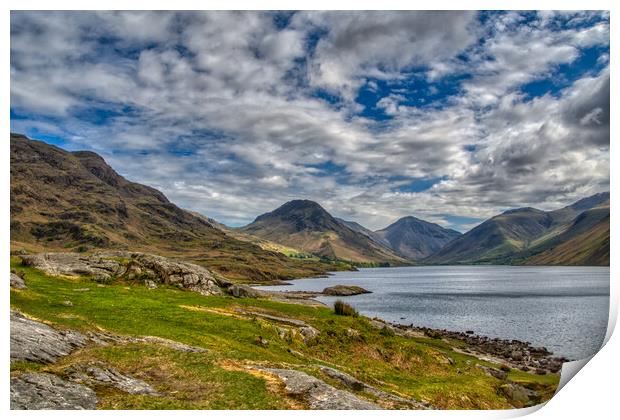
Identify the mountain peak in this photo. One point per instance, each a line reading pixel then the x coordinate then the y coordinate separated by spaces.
pixel 306 225
pixel 416 238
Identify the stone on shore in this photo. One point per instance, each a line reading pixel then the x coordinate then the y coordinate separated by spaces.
pixel 343 290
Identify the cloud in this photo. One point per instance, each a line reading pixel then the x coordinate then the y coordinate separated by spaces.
pixel 227 112
pixel 381 44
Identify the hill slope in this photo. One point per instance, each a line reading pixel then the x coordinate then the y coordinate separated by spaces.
pixel 586 242
pixel 305 225
pixel 416 239
pixel 64 200
pixel 516 236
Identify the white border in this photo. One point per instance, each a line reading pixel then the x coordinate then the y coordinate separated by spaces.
pixel 593 394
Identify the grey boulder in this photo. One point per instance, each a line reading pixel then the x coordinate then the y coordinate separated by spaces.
pixel 42 391
pixel 318 394
pixel 36 342
pixel 17 282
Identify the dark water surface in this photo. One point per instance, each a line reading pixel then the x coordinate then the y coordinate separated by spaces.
pixel 562 308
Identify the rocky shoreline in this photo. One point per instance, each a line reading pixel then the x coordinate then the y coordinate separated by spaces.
pixel 513 353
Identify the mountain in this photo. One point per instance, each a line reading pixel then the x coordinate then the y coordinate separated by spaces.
pixel 588 248
pixel 416 239
pixel 516 236
pixel 364 231
pixel 66 201
pixel 305 225
pixel 584 242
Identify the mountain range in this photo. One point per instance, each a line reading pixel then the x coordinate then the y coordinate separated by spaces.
pixel 74 201
pixel 64 200
pixel 305 225
pixel 532 236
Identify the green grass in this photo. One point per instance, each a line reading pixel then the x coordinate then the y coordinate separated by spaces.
pixel 341 308
pixel 415 368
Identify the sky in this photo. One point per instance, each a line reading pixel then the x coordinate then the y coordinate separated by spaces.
pixel 452 117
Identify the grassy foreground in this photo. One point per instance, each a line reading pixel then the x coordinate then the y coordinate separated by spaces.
pixel 421 368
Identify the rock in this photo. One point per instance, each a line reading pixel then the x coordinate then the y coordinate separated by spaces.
pixel 107 265
pixel 287 321
pixel 105 338
pixel 519 396
pixel 357 385
pixel 342 290
pixel 259 340
pixel 242 290
pixel 345 378
pixel 73 264
pixel 318 394
pixel 36 342
pixel 67 303
pixel 189 276
pixel 93 374
pixel 174 345
pixel 352 333
pixel 516 355
pixel 491 371
pixel 308 333
pixel 42 391
pixel 17 282
pixel 150 284
pixel 295 353
pixel 283 333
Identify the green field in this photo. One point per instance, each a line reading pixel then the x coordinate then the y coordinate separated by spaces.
pixel 421 368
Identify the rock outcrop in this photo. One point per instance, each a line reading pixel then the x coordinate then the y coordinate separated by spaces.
pixel 317 394
pixel 342 290
pixel 357 385
pixel 151 269
pixel 36 342
pixel 242 290
pixel 74 264
pixel 17 282
pixel 93 374
pixel 42 391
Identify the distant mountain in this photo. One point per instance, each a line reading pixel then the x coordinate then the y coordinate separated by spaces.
pixel 416 239
pixel 67 201
pixel 364 231
pixel 516 236
pixel 578 246
pixel 305 225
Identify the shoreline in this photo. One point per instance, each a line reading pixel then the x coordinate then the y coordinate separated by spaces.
pixel 514 353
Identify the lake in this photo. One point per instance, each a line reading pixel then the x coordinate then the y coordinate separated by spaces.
pixel 562 308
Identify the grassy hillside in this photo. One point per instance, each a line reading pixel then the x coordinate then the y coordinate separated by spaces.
pixel 419 367
pixel 75 201
pixel 588 247
pixel 497 239
pixel 531 236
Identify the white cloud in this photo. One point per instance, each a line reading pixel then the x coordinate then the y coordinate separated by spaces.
pixel 216 109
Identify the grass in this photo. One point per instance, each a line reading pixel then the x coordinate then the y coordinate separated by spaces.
pixel 341 308
pixel 414 367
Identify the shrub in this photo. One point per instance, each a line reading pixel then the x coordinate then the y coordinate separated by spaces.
pixel 386 332
pixel 345 309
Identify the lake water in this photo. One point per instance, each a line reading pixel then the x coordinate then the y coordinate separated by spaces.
pixel 562 308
